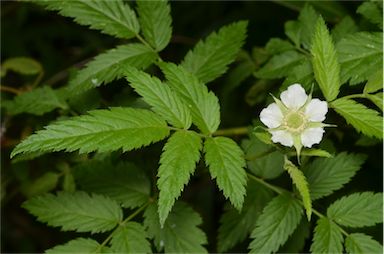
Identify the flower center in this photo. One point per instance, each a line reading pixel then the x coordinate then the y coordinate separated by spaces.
pixel 295 121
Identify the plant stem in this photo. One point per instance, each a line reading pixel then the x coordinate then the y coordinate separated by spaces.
pixel 10 89
pixel 232 131
pixel 353 96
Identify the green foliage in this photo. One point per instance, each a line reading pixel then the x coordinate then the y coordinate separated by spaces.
pixel 360 55
pixel 326 175
pixel 357 210
pixel 358 243
pixel 345 27
pixel 107 67
pixel 203 104
pixel 226 163
pixel 263 160
pixel 276 45
pixel 235 226
pixel 296 242
pixel 301 184
pixel 325 62
pixel 79 245
pixel 363 119
pixel 37 102
pixel 163 100
pixel 280 65
pixel 76 211
pixel 156 22
pixel 277 222
pixel 210 58
pixel 101 130
pixel 372 12
pixel 43 184
pixel 122 182
pixel 22 65
pixel 110 17
pixel 375 82
pixel 328 237
pixel 307 19
pixel 180 232
pixel 177 163
pixel 377 99
pixel 130 238
pixel 302 74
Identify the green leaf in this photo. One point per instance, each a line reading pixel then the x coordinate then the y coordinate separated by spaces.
pixel 163 100
pixel 130 238
pixel 263 160
pixel 358 243
pixel 314 152
pixel 210 58
pixel 375 82
pixel 280 65
pixel 180 233
pixel 43 184
pixel 324 61
pixel 296 242
pixel 156 22
pixel 276 45
pixel 226 163
pixel 37 102
pixel 327 238
pixel 326 175
pixel 302 74
pixel 204 105
pixel 357 210
pixel 76 211
pixel 301 184
pixel 277 222
pixel 22 65
pixel 101 130
pixel 110 17
pixel 69 184
pixel 235 226
pixel 307 18
pixel 377 99
pixel 360 55
pixel 177 163
pixel 107 67
pixel 78 246
pixel 372 12
pixel 292 30
pixel 344 27
pixel 363 119
pixel 122 182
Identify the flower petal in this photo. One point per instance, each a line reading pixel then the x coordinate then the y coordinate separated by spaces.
pixel 271 116
pixel 316 110
pixel 294 97
pixel 311 136
pixel 283 137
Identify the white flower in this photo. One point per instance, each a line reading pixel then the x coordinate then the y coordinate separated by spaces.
pixel 296 119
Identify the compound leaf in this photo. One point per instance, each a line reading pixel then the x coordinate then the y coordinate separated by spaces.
pixel 156 22
pixel 204 105
pixel 107 67
pixel 210 58
pixel 226 163
pixel 101 130
pixel 110 17
pixel 177 163
pixel 37 102
pixel 357 210
pixel 76 211
pixel 277 222
pixel 372 12
pixel 358 243
pixel 180 233
pixel 130 238
pixel 360 55
pixel 363 119
pixel 235 226
pixel 123 182
pixel 327 238
pixel 324 61
pixel 301 184
pixel 78 245
pixel 161 97
pixel 326 175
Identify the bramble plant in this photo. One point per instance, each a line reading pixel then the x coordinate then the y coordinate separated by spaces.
pixel 281 171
